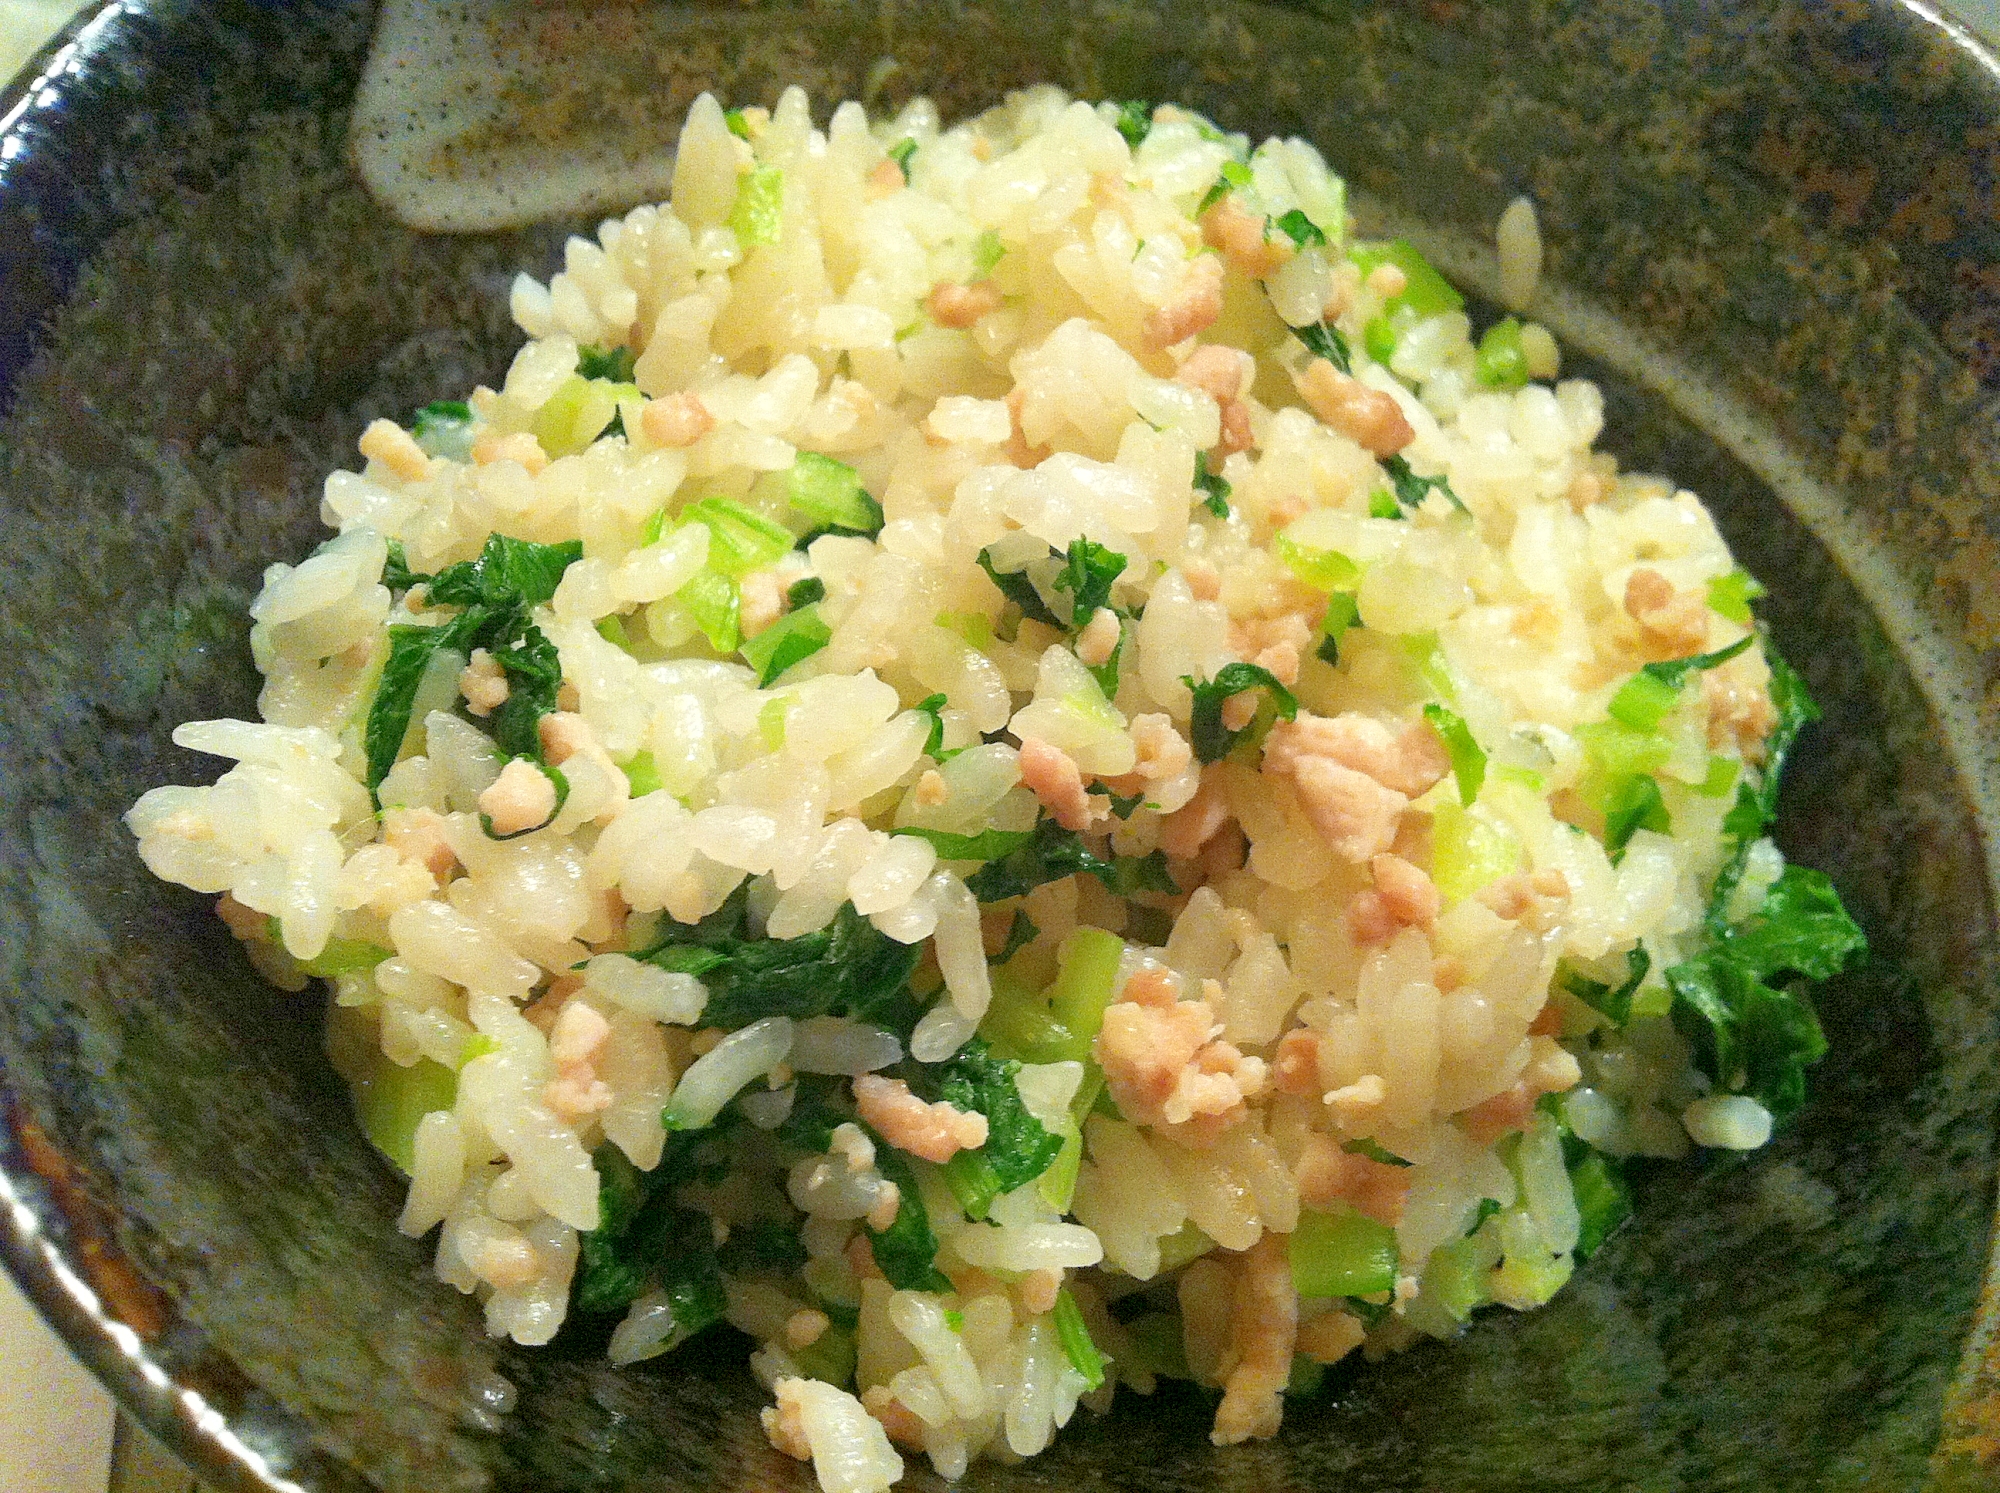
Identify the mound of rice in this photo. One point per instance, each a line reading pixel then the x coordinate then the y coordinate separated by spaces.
pixel 1013 765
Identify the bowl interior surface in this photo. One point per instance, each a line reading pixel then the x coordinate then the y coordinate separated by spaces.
pixel 205 308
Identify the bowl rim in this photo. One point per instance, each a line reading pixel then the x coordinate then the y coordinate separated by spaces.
pixel 54 1275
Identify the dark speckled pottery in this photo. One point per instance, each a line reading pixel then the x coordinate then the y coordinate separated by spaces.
pixel 1772 236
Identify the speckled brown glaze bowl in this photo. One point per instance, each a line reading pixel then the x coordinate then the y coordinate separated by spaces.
pixel 1772 236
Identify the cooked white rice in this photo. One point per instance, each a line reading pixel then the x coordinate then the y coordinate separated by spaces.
pixel 1340 1013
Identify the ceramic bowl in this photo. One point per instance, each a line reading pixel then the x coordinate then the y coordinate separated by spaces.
pixel 1772 236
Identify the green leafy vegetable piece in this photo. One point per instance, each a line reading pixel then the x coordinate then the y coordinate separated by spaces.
pixel 846 968
pixel 642 773
pixel 1750 1036
pixel 906 1251
pixel 972 1181
pixel 1615 1003
pixel 1757 803
pixel 1644 700
pixel 1729 596
pixel 1212 486
pixel 1634 804
pixel 1382 504
pixel 444 428
pixel 1017 588
pixel 1300 229
pixel 1323 570
pixel 1378 336
pixel 766 1246
pixel 804 593
pixel 1235 176
pixel 934 707
pixel 1089 569
pixel 1018 1146
pixel 1342 1253
pixel 1411 490
pixel 830 492
pixel 1468 758
pixel 344 956
pixel 740 539
pixel 1603 1200
pixel 715 604
pixel 758 211
pixel 645 1240
pixel 1501 362
pixel 1324 340
pixel 987 845
pixel 796 636
pixel 1425 292
pixel 410 651
pixel 900 153
pixel 1075 1339
pixel 508 572
pixel 736 124
pixel 820 1105
pixel 391 1100
pixel 1020 933
pixel 612 363
pixel 1342 613
pixel 396 572
pixel 987 251
pixel 1054 853
pixel 1212 740
pixel 1135 120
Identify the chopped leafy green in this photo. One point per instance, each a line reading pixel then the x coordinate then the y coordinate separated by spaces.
pixel 1020 933
pixel 1730 595
pixel 846 968
pixel 1211 485
pixel 906 1251
pixel 1017 588
pixel 758 210
pixel 1379 338
pixel 1614 1003
pixel 1501 362
pixel 1322 569
pixel 987 251
pixel 736 124
pixel 1018 1146
pixel 393 1100
pixel 1089 569
pixel 804 593
pixel 1075 1339
pixel 1425 292
pixel 1235 176
pixel 642 773
pixel 769 1245
pixel 1634 804
pixel 740 539
pixel 1374 1150
pixel 1342 613
pixel 508 572
pixel 1603 1200
pixel 1323 340
pixel 612 363
pixel 495 591
pixel 900 153
pixel 645 1240
pixel 344 956
pixel 1644 700
pixel 1212 740
pixel 820 1105
pixel 716 607
pixel 830 492
pixel 1342 1253
pixel 1382 504
pixel 934 707
pixel 1468 758
pixel 1757 803
pixel 1749 1035
pixel 1135 119
pixel 987 845
pixel 1300 229
pixel 396 572
pixel 793 637
pixel 444 428
pixel 1411 490
pixel 1053 853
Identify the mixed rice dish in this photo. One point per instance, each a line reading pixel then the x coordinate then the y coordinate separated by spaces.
pixel 1012 764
